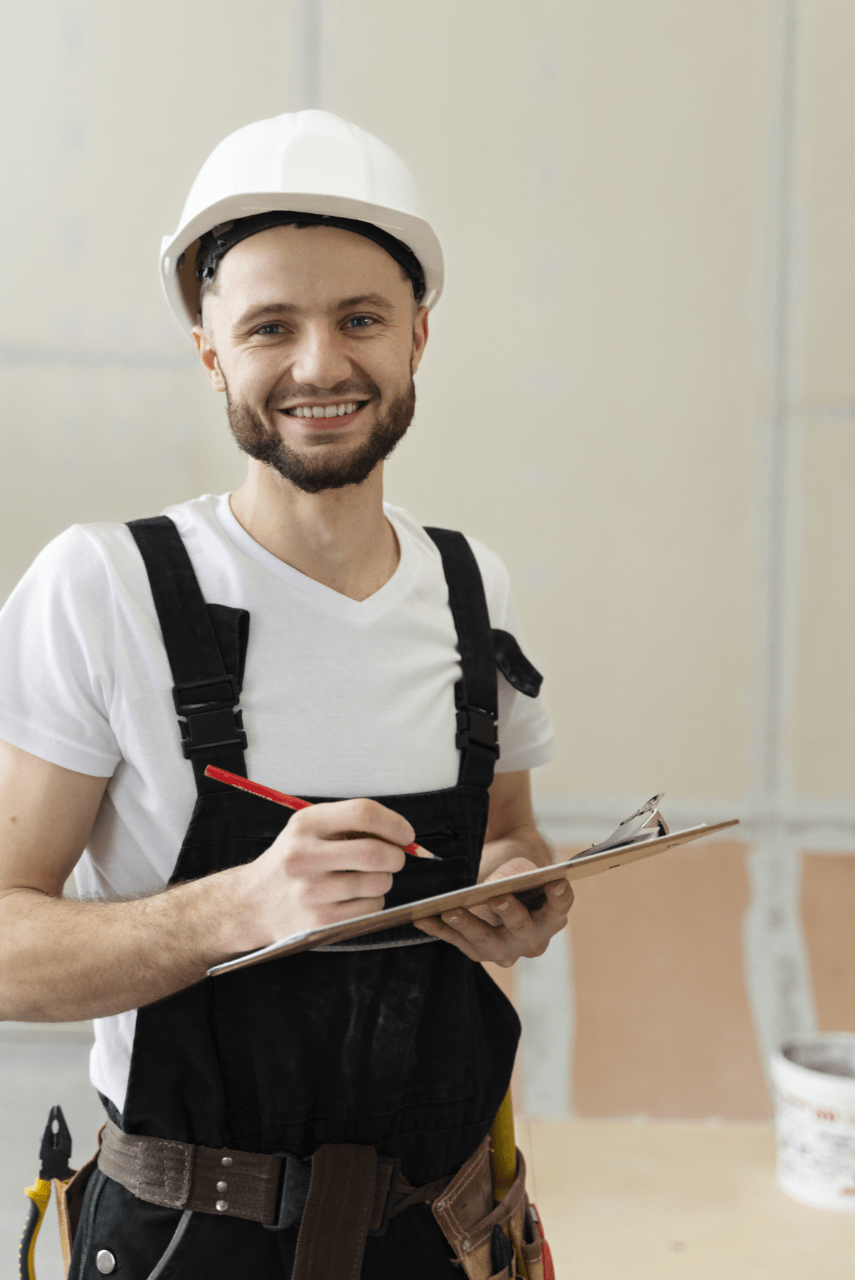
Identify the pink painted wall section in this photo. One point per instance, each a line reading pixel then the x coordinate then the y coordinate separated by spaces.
pixel 828 916
pixel 663 1024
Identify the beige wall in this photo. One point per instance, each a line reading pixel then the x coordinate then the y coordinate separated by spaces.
pixel 640 389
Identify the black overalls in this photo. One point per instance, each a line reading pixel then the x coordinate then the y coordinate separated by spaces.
pixel 403 1044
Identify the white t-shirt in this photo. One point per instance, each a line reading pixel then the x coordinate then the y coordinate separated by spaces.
pixel 340 697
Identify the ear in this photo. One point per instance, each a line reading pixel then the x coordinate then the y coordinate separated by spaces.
pixel 208 356
pixel 420 337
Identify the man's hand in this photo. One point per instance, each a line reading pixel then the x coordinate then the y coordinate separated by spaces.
pixel 503 929
pixel 317 872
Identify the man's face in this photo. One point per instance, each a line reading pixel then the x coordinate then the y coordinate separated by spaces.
pixel 314 336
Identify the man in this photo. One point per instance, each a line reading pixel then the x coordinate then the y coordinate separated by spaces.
pixel 264 1122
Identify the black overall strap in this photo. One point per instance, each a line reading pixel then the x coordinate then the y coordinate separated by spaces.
pixel 476 695
pixel 205 693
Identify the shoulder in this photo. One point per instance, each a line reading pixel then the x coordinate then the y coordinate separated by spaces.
pixel 79 559
pixel 67 603
pixel 494 575
pixel 110 548
pixel 200 516
pixel 88 565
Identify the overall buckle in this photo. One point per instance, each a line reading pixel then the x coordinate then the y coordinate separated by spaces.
pixel 477 727
pixel 208 715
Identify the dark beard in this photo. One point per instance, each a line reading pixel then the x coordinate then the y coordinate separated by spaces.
pixel 311 475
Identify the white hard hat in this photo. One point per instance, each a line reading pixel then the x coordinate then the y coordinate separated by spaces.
pixel 309 162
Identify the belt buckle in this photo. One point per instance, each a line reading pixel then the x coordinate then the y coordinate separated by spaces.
pixel 293 1192
pixel 387 1208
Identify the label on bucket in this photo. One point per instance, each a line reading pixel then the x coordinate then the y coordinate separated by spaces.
pixel 815 1124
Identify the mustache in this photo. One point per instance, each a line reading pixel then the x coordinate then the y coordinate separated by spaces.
pixel 350 389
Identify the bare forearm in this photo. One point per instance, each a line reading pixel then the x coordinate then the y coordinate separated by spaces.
pixel 524 841
pixel 63 961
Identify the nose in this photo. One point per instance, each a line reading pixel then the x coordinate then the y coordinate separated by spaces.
pixel 319 357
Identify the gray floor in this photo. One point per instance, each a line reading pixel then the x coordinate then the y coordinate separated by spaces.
pixel 40 1066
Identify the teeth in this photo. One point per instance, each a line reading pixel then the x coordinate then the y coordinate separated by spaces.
pixel 323 410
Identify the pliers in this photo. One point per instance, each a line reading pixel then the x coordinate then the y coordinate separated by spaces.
pixel 55 1154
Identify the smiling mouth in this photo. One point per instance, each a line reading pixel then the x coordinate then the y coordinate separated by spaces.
pixel 340 410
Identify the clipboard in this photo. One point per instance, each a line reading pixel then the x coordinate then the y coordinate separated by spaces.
pixel 640 836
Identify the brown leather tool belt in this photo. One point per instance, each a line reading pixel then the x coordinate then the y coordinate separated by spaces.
pixel 351 1186
pixel 340 1196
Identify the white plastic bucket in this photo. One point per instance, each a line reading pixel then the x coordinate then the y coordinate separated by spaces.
pixel 813 1077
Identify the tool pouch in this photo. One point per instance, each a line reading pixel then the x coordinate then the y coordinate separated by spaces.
pixel 69 1201
pixel 467 1215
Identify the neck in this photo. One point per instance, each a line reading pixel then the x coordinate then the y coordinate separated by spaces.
pixel 340 538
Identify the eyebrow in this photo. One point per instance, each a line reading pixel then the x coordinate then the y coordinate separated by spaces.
pixel 365 300
pixel 254 314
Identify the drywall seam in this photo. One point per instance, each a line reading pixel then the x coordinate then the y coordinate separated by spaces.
pixel 777 964
pixel 16 355
pixel 307 57
pixel 543 994
pixel 811 822
pixel 774 486
pixel 777 969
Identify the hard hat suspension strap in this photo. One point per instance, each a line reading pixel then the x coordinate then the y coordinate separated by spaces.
pixel 215 244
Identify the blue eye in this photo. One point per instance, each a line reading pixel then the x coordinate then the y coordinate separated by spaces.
pixel 360 322
pixel 266 329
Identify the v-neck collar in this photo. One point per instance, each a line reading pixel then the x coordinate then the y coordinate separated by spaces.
pixel 327 597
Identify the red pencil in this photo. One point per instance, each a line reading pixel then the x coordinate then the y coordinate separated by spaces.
pixel 290 802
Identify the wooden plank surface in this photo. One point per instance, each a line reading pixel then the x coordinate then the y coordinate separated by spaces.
pixel 624 1200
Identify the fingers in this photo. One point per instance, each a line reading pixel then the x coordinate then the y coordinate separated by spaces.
pixel 558 893
pixel 321 840
pixel 439 928
pixel 343 895
pixel 472 936
pixel 340 817
pixel 559 897
pixel 486 913
pixel 346 886
pixel 545 921
pixel 516 926
pixel 517 932
pixel 331 862
pixel 340 908
pixel 514 867
pixel 322 857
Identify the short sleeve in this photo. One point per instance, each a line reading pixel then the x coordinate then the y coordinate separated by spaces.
pixel 56 658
